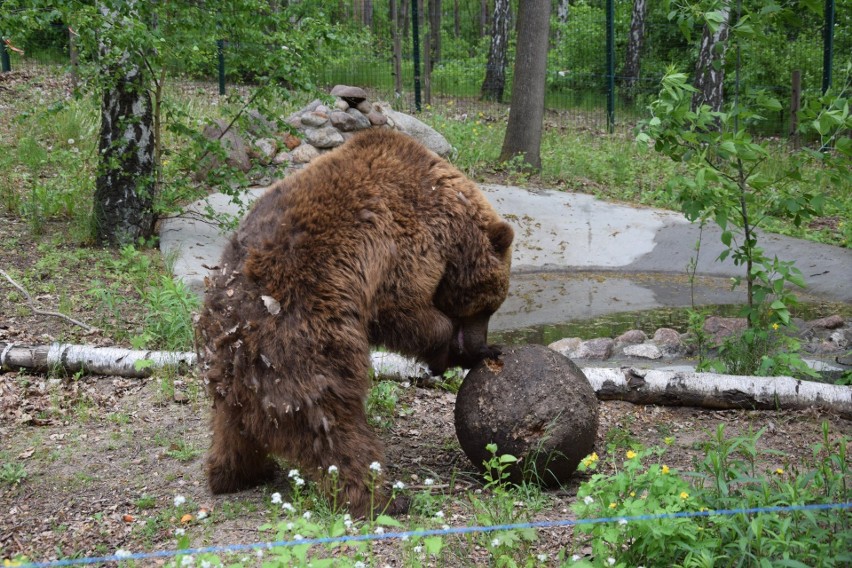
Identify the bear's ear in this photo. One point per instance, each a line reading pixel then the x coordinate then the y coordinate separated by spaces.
pixel 501 235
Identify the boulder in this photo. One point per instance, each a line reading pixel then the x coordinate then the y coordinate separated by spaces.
pixel 534 404
pixel 427 135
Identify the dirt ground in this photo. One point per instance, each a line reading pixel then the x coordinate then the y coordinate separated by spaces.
pixel 104 457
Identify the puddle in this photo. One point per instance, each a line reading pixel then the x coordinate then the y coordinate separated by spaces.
pixel 544 307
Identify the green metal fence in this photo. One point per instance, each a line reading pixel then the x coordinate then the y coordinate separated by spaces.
pixel 586 86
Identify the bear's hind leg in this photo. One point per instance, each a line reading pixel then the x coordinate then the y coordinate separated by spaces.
pixel 236 460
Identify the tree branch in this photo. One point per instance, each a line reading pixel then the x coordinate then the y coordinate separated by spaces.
pixel 43 312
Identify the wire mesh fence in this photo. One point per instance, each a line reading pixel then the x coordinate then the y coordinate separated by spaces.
pixel 582 90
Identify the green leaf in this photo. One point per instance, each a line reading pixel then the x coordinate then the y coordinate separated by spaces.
pixel 387 521
pixel 433 544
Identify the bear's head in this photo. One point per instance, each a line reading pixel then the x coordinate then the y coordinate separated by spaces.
pixel 474 285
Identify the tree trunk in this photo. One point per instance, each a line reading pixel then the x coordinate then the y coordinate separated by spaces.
pixel 456 19
pixel 405 19
pixel 483 17
pixel 523 133
pixel 708 390
pixel 495 70
pixel 710 68
pixel 124 189
pixel 427 57
pixel 88 359
pixel 562 10
pixel 368 14
pixel 435 32
pixel 397 47
pixel 634 47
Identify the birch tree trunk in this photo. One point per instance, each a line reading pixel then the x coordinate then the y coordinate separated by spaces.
pixel 523 133
pixel 483 17
pixel 495 70
pixel 634 47
pixel 710 68
pixel 124 189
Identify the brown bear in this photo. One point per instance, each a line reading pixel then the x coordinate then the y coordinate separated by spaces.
pixel 379 242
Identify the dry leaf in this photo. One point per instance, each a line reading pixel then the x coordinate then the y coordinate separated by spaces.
pixel 273 305
pixel 128 518
pixel 186 518
pixel 26 453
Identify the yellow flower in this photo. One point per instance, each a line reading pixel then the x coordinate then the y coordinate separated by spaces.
pixel 612 505
pixel 665 470
pixel 631 454
pixel 633 494
pixel 668 440
pixel 590 459
pixel 779 471
pixel 775 326
pixel 684 495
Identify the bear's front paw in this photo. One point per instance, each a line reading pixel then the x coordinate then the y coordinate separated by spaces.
pixel 490 352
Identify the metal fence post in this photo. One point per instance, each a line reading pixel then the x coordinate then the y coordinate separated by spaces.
pixel 5 66
pixel 610 66
pixel 827 45
pixel 415 46
pixel 220 49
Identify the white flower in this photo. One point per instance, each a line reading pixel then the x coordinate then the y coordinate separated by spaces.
pixel 288 507
pixel 622 521
pixel 202 514
pixel 259 553
pixel 122 553
pixel 445 527
pixel 180 532
pixel 439 514
pixel 399 485
pixel 575 557
pixel 542 557
pixel 418 549
pixel 359 564
pixel 404 538
pixel 495 542
pixel 332 469
pixel 276 498
pixel 290 526
pixel 187 561
pixel 428 481
pixel 298 537
pixel 299 481
pixel 610 561
pixel 588 500
pixel 71 141
pixel 307 515
pixel 376 466
pixel 179 500
pixel 293 473
pixel 206 564
pixel 347 523
pixel 380 530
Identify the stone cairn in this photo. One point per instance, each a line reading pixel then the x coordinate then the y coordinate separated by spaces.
pixel 318 128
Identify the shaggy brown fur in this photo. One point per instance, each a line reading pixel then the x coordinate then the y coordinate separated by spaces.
pixel 379 242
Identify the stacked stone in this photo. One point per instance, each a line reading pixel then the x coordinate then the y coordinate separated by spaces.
pixel 325 128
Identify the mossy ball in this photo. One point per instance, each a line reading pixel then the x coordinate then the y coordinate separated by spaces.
pixel 534 404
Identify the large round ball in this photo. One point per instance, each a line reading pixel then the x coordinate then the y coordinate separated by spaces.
pixel 534 404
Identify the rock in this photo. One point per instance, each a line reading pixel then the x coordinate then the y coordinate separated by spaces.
pixel 325 137
pixel 600 348
pixel 830 322
pixel 291 141
pixel 343 121
pixel 669 342
pixel 534 404
pixel 364 107
pixel 352 95
pixel 361 121
pixel 258 125
pixel 377 118
pixel 427 135
pixel 266 149
pixel 340 104
pixel 566 346
pixel 719 328
pixel 312 106
pixel 631 336
pixel 643 351
pixel 304 154
pixel 233 143
pixel 314 118
pixel 282 158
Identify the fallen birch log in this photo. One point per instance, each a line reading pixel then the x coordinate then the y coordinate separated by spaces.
pixel 709 390
pixel 95 360
pixel 664 388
